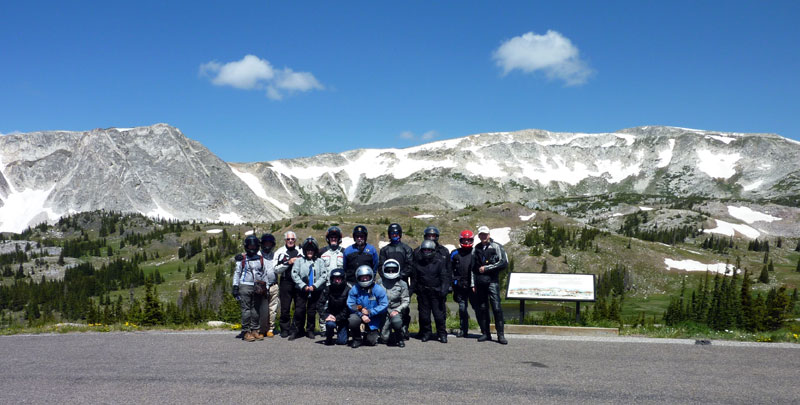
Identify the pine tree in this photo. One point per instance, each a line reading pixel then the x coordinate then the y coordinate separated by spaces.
pixel 798 265
pixel 764 277
pixel 153 315
pixel 61 258
pixel 201 266
pixel 766 257
pixel 747 317
pixel 776 308
pixel 188 273
pixel 770 266
pixel 797 249
pixel 544 267
pixel 556 251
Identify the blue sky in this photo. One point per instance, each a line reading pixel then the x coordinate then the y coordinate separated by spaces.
pixel 268 80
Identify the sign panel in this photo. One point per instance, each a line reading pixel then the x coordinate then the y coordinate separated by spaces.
pixel 549 286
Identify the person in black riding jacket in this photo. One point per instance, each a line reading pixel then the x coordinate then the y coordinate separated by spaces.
pixel 430 280
pixel 404 255
pixel 490 260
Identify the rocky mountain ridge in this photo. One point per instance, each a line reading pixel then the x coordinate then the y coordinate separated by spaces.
pixel 158 171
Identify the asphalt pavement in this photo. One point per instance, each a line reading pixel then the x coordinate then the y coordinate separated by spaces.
pixel 214 367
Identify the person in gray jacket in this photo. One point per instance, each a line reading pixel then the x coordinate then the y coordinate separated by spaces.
pixel 250 276
pixel 397 294
pixel 310 275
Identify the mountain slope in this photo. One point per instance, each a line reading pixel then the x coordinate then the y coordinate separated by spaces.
pixel 157 171
pixel 153 170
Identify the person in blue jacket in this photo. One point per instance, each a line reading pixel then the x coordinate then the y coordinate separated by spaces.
pixel 360 253
pixel 367 302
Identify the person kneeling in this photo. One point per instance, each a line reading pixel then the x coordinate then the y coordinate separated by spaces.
pixel 397 294
pixel 367 302
pixel 333 308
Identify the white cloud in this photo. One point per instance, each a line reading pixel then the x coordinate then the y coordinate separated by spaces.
pixel 551 53
pixel 427 136
pixel 254 73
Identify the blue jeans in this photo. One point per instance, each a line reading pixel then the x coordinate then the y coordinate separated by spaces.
pixel 341 331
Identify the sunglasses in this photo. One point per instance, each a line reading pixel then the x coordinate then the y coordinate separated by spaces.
pixel 291 239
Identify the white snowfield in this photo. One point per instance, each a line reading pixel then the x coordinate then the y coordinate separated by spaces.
pixel 717 165
pixel 665 156
pixel 424 216
pixel 748 215
pixel 401 163
pixel 527 217
pixel 231 218
pixel 693 265
pixel 159 212
pixel 214 231
pixel 499 235
pixel 258 189
pixel 645 208
pixel 729 229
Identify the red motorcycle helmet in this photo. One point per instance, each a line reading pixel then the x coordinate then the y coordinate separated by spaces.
pixel 466 238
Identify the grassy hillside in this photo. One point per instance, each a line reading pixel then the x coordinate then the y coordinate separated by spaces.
pixel 154 246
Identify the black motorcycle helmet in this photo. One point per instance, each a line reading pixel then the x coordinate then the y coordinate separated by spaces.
pixel 395 228
pixel 251 244
pixel 333 234
pixel 432 233
pixel 360 230
pixel 267 242
pixel 337 279
pixel 310 244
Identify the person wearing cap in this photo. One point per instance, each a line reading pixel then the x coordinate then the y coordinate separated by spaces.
pixel 268 318
pixel 404 256
pixel 284 260
pixel 491 259
pixel 310 276
pixel 397 294
pixel 462 263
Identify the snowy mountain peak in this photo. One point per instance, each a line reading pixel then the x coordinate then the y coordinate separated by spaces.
pixel 157 171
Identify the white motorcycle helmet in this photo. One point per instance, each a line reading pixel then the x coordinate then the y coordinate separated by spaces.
pixel 391 269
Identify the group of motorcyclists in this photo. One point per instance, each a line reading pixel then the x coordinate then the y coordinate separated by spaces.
pixel 362 293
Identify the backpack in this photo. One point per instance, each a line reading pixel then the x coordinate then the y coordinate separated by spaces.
pixel 260 286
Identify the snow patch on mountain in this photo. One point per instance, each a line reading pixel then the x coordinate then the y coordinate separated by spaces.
pixel 717 165
pixel 159 212
pixel 20 208
pixel 693 265
pixel 214 231
pixel 231 218
pixel 752 186
pixel 527 217
pixel 423 216
pixel 254 184
pixel 724 139
pixel 729 229
pixel 665 156
pixel 630 139
pixel 748 215
pixel 501 235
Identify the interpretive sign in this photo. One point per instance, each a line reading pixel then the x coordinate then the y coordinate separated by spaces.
pixel 549 286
